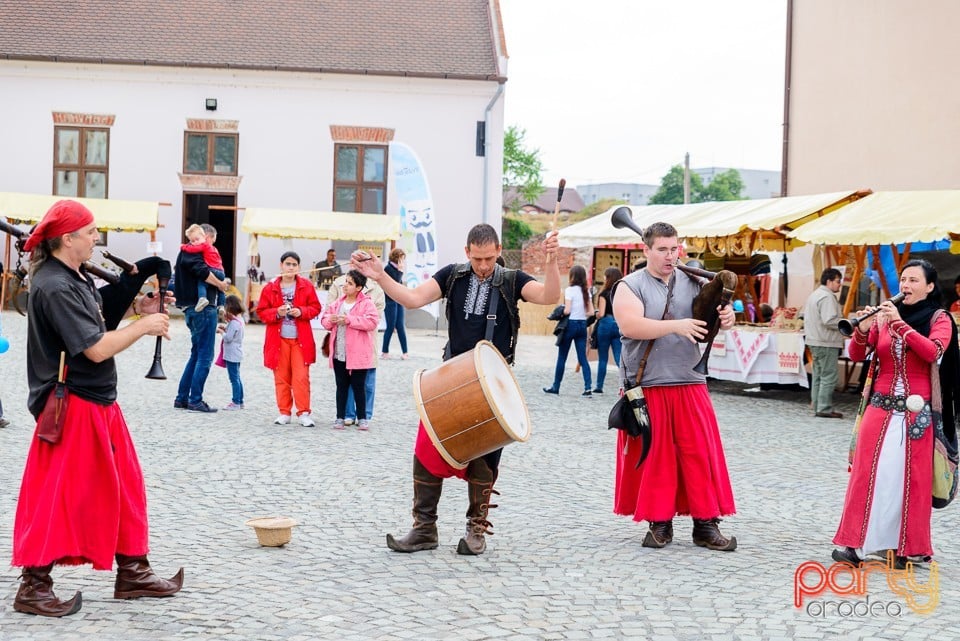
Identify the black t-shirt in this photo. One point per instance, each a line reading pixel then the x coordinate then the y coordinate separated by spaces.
pixel 468 304
pixel 65 316
pixel 608 307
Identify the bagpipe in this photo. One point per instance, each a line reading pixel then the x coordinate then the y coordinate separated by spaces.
pixel 120 290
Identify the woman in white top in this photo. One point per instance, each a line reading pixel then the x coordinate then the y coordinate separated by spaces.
pixel 577 307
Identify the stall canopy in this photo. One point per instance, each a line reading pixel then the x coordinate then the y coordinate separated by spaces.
pixel 330 225
pixel 889 218
pixel 738 226
pixel 109 214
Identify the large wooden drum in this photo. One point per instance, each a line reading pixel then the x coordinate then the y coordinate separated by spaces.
pixel 471 405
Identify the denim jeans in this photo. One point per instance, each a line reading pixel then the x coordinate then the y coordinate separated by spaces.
pixel 233 371
pixel 369 388
pixel 211 293
pixel 203 332
pixel 575 333
pixel 393 315
pixel 608 337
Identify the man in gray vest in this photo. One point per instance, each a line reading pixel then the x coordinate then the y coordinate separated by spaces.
pixel 469 289
pixel 821 316
pixel 685 471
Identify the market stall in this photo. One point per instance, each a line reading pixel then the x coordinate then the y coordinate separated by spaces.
pixel 375 229
pixel 893 218
pixel 109 214
pixel 751 354
pixel 735 235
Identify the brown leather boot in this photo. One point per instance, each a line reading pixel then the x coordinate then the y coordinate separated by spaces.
pixel 36 596
pixel 659 535
pixel 480 480
pixel 135 579
pixel 426 495
pixel 706 534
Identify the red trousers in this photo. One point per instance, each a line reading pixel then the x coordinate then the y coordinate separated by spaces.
pixel 82 500
pixel 292 379
pixel 685 471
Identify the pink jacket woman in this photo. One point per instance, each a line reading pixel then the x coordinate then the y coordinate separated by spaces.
pixel 362 321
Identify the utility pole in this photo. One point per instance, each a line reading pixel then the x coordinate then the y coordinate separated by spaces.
pixel 686 179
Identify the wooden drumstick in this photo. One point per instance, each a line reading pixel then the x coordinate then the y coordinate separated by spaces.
pixel 556 209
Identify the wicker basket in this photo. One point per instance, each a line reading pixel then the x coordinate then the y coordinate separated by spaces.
pixel 272 531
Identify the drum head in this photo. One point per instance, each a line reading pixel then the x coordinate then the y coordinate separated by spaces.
pixel 503 392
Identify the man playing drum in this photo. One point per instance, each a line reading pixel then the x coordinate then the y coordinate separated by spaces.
pixel 685 472
pixel 467 288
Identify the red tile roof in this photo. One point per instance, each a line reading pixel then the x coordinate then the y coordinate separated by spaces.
pixel 430 38
pixel 571 201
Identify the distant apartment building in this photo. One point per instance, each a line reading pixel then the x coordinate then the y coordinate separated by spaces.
pixel 632 193
pixel 757 183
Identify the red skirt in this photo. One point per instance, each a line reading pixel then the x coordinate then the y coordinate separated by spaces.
pixel 82 500
pixel 430 458
pixel 685 472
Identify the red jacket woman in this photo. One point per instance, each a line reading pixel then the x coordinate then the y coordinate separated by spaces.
pixel 290 356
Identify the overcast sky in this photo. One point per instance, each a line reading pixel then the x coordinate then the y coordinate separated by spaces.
pixel 619 90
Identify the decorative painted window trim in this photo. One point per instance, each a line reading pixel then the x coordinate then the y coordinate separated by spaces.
pixel 83 120
pixel 350 133
pixel 213 125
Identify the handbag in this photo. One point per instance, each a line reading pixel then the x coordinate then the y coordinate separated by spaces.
pixel 325 345
pixel 593 342
pixel 945 459
pixel 50 421
pixel 946 453
pixel 220 362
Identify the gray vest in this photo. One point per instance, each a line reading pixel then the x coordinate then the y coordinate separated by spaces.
pixel 672 358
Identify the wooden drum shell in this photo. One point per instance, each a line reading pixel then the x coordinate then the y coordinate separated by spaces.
pixel 462 407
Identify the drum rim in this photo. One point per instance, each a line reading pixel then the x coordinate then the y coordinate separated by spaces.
pixel 486 392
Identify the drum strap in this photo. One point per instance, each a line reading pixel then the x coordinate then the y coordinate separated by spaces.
pixel 492 312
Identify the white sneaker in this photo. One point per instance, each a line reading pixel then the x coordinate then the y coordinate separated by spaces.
pixel 201 303
pixel 306 421
pixel 349 421
pixel 363 425
pixel 283 419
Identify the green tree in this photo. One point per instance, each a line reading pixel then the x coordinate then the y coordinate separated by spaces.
pixel 514 233
pixel 521 166
pixel 725 186
pixel 671 188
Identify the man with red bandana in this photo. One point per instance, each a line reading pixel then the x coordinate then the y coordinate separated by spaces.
pixel 467 288
pixel 82 498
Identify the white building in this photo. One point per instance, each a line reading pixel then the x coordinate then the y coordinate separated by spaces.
pixel 249 108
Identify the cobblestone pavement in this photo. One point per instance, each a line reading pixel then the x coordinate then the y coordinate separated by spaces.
pixel 561 565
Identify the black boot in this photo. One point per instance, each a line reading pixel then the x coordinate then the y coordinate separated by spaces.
pixel 426 495
pixel 846 555
pixel 36 596
pixel 706 534
pixel 480 480
pixel 659 535
pixel 135 578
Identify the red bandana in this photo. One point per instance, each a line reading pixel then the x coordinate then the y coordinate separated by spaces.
pixel 65 217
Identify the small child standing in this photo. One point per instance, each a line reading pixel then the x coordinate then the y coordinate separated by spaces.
pixel 233 348
pixel 211 256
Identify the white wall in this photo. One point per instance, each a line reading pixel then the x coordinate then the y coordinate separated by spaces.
pixel 285 148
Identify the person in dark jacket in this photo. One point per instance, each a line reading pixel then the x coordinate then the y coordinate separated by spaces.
pixel 190 270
